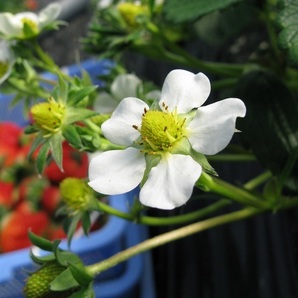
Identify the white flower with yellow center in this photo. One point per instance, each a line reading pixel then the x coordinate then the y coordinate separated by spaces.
pixel 160 141
pixel 26 25
pixel 7 60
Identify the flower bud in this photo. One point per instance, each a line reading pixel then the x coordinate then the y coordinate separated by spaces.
pixel 49 115
pixel 76 193
pixel 130 12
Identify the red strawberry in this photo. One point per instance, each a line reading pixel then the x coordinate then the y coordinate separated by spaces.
pixel 7 195
pixel 15 227
pixel 50 199
pixel 75 164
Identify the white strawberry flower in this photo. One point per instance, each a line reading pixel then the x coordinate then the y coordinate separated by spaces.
pixel 160 141
pixel 27 24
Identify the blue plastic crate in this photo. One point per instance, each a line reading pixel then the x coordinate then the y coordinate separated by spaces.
pixel 129 279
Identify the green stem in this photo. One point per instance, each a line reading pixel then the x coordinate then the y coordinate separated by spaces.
pixel 255 182
pixel 231 157
pixel 286 171
pixel 217 68
pixel 162 239
pixel 230 191
pixel 163 221
pixel 265 16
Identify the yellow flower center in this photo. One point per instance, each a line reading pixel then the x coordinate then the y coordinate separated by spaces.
pixel 49 115
pixel 130 12
pixel 160 130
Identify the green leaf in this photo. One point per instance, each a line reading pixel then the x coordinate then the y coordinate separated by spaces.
pixel 40 242
pixel 270 127
pixel 220 26
pixel 80 274
pixel 189 10
pixel 287 20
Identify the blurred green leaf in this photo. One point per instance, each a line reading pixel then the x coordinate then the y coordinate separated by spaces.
pixel 270 127
pixel 189 10
pixel 222 25
pixel 287 19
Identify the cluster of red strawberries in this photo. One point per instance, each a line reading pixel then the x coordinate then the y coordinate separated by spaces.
pixel 27 201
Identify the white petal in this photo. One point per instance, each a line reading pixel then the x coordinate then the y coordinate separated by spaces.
pixel 184 90
pixel 119 128
pixel 125 85
pixel 214 125
pixel 170 183
pixel 9 25
pixel 49 14
pixel 117 171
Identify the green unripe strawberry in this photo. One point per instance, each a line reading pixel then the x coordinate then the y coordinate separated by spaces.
pixel 38 284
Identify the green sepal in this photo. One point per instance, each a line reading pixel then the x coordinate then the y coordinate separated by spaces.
pixel 40 242
pixel 55 143
pixel 151 161
pixel 72 136
pixel 80 274
pixel 42 157
pixel 27 30
pixel 64 281
pixel 84 292
pixel 63 90
pixel 38 141
pixel 75 96
pixel 86 222
pixel 203 161
pixel 64 257
pixel 78 114
pixel 41 259
pixel 70 225
pixel 31 129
